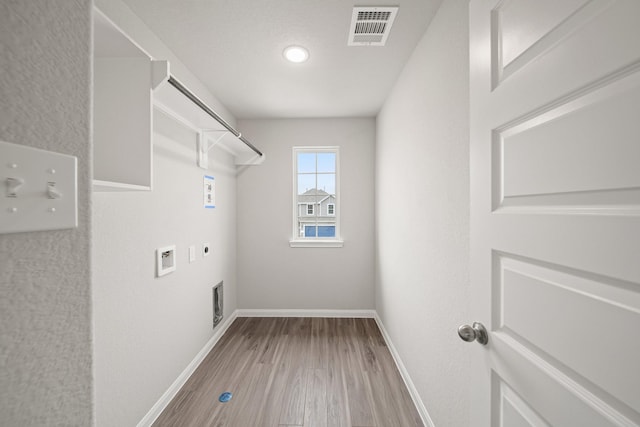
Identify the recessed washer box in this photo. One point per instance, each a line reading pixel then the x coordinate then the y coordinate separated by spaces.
pixel 165 260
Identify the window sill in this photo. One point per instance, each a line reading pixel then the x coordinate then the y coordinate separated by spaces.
pixel 316 243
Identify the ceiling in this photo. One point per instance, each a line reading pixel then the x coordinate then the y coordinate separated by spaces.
pixel 235 47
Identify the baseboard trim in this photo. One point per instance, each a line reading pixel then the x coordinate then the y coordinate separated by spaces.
pixel 305 313
pixel 168 395
pixel 415 396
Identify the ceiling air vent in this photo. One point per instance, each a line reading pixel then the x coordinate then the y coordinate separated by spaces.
pixel 370 26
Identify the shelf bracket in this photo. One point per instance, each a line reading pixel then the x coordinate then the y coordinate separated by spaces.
pixel 159 72
pixel 204 144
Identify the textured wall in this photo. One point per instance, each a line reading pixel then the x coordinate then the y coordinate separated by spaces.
pixel 271 275
pixel 422 214
pixel 45 291
pixel 148 329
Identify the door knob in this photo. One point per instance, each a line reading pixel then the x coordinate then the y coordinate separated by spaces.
pixel 477 332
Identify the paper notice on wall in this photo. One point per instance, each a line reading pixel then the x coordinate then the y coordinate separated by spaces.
pixel 209 192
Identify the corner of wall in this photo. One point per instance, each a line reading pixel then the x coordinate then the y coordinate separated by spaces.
pixel 422 247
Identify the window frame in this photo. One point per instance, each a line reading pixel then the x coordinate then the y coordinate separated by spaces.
pixel 333 208
pixel 296 240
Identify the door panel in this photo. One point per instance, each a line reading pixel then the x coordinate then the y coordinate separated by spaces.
pixel 555 211
pixel 514 412
pixel 526 29
pixel 564 156
pixel 533 309
pixel 564 61
pixel 524 23
pixel 554 397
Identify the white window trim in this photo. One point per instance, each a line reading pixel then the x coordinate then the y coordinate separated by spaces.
pixel 313 210
pixel 315 242
pixel 334 209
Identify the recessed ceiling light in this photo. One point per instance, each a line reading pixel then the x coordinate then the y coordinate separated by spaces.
pixel 296 54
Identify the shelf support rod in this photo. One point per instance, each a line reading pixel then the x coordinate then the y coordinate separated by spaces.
pixel 186 92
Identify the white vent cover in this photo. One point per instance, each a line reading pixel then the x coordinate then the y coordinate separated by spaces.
pixel 370 26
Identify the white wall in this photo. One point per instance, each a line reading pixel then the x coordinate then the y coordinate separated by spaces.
pixel 45 289
pixel 422 215
pixel 271 275
pixel 148 329
pixel 137 30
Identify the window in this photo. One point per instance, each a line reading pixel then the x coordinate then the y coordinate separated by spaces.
pixel 315 197
pixel 319 231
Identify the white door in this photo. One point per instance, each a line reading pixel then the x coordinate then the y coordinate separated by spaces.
pixel 555 212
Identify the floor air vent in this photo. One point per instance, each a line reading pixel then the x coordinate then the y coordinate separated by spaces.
pixel 370 26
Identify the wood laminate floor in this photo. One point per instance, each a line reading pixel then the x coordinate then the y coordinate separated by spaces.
pixel 295 372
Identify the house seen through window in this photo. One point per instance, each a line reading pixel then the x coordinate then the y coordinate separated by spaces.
pixel 316 193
